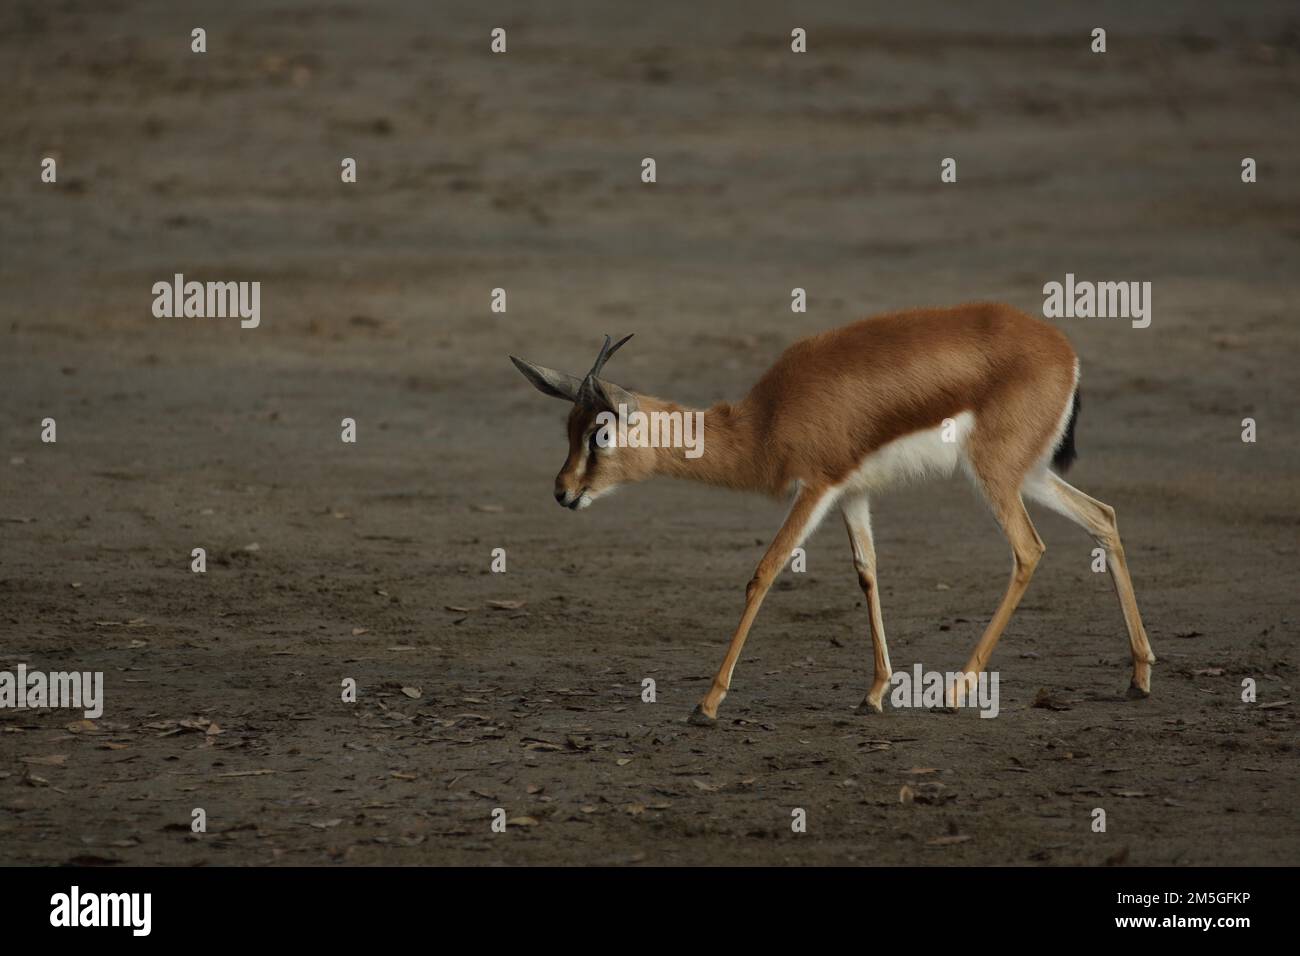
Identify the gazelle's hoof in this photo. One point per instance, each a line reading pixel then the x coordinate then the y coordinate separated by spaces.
pixel 962 692
pixel 1135 692
pixel 868 707
pixel 700 719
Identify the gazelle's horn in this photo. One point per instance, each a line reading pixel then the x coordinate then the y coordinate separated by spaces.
pixel 589 393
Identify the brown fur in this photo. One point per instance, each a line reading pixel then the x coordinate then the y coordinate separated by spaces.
pixel 831 399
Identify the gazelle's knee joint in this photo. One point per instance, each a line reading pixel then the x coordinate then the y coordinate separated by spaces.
pixel 866 577
pixel 1027 560
pixel 1107 533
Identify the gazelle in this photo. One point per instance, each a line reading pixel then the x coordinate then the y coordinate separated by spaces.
pixel 844 414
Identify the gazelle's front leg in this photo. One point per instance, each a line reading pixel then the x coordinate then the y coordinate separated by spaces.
pixel 809 507
pixel 857 518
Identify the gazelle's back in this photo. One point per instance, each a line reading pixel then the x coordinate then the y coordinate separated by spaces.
pixel 831 400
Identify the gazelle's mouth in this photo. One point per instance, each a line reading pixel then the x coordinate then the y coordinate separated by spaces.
pixel 572 500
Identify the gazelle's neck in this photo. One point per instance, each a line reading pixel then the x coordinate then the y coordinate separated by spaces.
pixel 729 455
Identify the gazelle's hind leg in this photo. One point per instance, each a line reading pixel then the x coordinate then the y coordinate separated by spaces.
pixel 1002 449
pixel 857 518
pixel 1026 550
pixel 1098 519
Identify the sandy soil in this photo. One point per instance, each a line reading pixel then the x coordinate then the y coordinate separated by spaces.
pixel 521 171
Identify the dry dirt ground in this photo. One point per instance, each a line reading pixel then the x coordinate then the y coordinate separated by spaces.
pixel 522 171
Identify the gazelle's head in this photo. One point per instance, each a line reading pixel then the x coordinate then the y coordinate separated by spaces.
pixel 594 466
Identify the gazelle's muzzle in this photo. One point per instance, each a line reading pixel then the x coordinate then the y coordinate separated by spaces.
pixel 573 500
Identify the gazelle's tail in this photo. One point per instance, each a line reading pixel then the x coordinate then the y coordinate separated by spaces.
pixel 1065 452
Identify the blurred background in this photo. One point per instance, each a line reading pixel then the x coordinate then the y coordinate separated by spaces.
pixel 522 171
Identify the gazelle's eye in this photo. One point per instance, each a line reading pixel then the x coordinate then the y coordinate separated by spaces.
pixel 591 442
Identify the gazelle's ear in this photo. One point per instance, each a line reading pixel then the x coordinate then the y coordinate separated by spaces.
pixel 548 381
pixel 612 396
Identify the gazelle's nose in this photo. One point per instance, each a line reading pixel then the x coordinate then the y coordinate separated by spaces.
pixel 560 496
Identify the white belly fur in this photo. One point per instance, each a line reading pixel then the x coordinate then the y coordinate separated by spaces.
pixel 922 454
